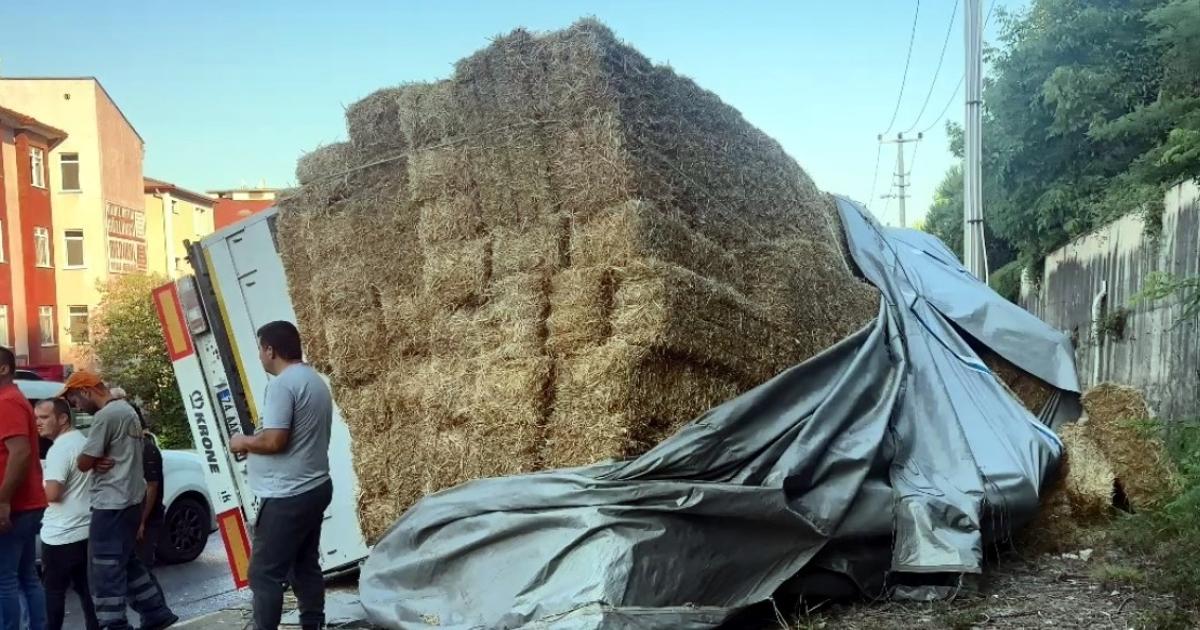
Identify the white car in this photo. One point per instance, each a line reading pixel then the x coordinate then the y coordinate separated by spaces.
pixel 189 517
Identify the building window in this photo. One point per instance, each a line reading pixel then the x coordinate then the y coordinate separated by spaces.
pixel 41 247
pixel 46 324
pixel 77 323
pixel 4 340
pixel 69 163
pixel 199 225
pixel 37 166
pixel 2 258
pixel 73 239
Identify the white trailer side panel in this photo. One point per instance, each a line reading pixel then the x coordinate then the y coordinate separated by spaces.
pixel 249 280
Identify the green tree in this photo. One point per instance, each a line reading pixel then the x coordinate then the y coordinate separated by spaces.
pixel 127 346
pixel 1092 110
pixel 945 221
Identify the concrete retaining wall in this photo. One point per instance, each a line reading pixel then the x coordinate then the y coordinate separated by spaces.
pixel 1158 351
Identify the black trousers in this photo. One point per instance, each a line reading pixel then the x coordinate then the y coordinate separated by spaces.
pixel 287 538
pixel 147 548
pixel 66 566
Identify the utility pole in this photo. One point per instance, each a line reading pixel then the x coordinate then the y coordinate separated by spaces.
pixel 974 248
pixel 901 174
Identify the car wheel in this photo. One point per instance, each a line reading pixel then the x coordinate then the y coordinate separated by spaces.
pixel 185 531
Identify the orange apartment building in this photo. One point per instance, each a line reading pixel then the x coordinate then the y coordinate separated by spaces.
pixel 28 283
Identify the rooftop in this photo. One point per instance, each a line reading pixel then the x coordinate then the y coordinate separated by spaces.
pixel 84 78
pixel 158 186
pixel 17 120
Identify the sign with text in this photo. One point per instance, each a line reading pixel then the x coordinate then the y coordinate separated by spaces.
pixel 126 228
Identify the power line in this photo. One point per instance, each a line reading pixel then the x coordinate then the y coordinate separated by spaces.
pixel 912 36
pixel 875 176
pixel 947 107
pixel 937 71
pixel 913 163
pixel 962 78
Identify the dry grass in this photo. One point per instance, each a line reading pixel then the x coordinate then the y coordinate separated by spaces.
pixel 1117 420
pixel 559 255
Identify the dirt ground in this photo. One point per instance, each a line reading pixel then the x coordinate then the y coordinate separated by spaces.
pixel 1075 590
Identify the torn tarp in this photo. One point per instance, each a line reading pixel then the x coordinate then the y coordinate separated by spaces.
pixel 897 441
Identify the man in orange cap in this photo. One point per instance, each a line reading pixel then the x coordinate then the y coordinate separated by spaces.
pixel 113 452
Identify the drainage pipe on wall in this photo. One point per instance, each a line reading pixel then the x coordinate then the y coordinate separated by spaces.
pixel 1097 333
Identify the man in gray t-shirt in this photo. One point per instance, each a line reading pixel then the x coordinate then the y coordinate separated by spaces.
pixel 289 472
pixel 113 453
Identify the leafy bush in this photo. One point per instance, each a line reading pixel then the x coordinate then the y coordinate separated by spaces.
pixel 127 346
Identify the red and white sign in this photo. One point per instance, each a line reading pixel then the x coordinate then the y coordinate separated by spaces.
pixel 126 231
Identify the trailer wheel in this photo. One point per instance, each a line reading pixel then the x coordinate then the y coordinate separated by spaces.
pixel 185 531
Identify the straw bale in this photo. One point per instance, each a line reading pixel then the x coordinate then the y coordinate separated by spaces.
pixel 672 310
pixel 1078 498
pixel 509 321
pixel 1118 419
pixel 324 162
pixel 457 273
pixel 408 323
pixel 512 321
pixel 620 399
pixel 1030 390
pixel 349 343
pixel 373 122
pixel 440 172
pixel 449 218
pixel 539 245
pixel 787 273
pixel 581 304
pixel 635 230
pixel 439 422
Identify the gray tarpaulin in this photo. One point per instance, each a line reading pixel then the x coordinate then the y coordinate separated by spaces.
pixel 898 441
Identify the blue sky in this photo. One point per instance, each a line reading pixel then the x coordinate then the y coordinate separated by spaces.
pixel 228 92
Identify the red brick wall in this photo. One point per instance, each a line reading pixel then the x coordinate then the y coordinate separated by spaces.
pixel 34 206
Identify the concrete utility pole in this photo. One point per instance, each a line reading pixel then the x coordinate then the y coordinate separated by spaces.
pixel 901 174
pixel 974 248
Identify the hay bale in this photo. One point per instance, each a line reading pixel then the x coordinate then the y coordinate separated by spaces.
pixel 1117 419
pixel 449 218
pixel 672 310
pixel 581 305
pixel 636 230
pixel 540 244
pixel 621 399
pixel 1076 500
pixel 323 162
pixel 457 273
pixel 560 254
pixel 1030 390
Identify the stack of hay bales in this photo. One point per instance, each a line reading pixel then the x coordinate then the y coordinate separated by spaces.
pixel 559 255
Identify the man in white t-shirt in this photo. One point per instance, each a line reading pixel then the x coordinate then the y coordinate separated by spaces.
pixel 65 524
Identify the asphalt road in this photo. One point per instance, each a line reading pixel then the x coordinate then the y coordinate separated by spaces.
pixel 193 589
